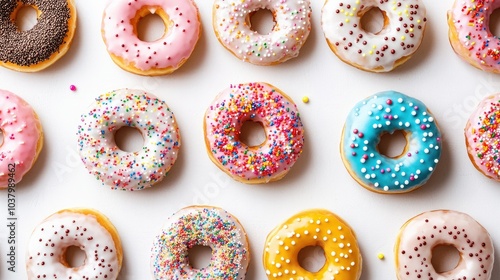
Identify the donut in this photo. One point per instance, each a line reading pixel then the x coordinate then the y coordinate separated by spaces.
pixel 163 56
pixel 379 114
pixel 86 229
pixel 470 35
pixel 421 234
pixel 22 138
pixel 203 226
pixel 403 31
pixel 315 227
pixel 38 48
pixel 280 119
pixel 482 137
pixel 106 161
pixel 232 26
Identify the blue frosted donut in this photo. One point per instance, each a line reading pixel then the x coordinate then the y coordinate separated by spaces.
pixel 382 113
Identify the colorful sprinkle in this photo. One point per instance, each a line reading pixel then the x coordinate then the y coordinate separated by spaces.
pixel 305 99
pixel 380 256
pixel 72 87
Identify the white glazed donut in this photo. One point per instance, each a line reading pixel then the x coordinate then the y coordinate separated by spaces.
pixel 205 226
pixel 231 22
pixel 421 234
pixel 87 229
pixel 401 36
pixel 120 169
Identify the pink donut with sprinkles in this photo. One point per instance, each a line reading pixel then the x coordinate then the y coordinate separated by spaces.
pixel 470 34
pixel 403 31
pixel 278 115
pixel 206 226
pixel 163 56
pixel 482 135
pixel 421 234
pixel 22 138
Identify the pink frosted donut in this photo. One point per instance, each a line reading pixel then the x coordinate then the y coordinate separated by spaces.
pixel 22 138
pixel 257 102
pixel 163 56
pixel 470 34
pixel 422 233
pixel 482 135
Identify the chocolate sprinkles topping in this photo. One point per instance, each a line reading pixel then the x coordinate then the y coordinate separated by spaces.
pixel 36 45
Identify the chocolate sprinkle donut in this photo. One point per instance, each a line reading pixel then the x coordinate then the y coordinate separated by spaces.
pixel 27 48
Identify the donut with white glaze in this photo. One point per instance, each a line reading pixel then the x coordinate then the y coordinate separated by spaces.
pixel 117 168
pixel 421 234
pixel 482 135
pixel 292 24
pixel 385 113
pixel 163 56
pixel 470 34
pixel 86 229
pixel 22 138
pixel 49 39
pixel 280 119
pixel 403 31
pixel 204 226
pixel 315 227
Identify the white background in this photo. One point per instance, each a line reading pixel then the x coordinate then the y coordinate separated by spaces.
pixel 435 75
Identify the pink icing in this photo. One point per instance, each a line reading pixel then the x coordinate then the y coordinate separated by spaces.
pixel 21 132
pixel 171 50
pixel 482 136
pixel 258 102
pixel 471 21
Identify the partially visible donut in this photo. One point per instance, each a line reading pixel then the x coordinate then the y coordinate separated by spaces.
pixel 232 26
pixel 470 34
pixel 163 56
pixel 41 46
pixel 206 226
pixel 404 25
pixel 86 229
pixel 421 234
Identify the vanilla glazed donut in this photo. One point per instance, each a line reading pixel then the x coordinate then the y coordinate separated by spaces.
pixel 22 138
pixel 292 24
pixel 383 113
pixel 119 169
pixel 38 48
pixel 86 229
pixel 206 226
pixel 470 34
pixel 421 234
pixel 279 116
pixel 403 31
pixel 482 135
pixel 315 227
pixel 163 56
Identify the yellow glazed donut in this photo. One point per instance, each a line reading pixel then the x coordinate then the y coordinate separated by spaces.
pixel 403 31
pixel 420 234
pixel 87 229
pixel 38 48
pixel 316 227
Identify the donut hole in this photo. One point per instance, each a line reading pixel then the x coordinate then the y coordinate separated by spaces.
pixel 393 145
pixel 262 21
pixel 129 139
pixel 151 25
pixel 494 23
pixel 373 20
pixel 74 256
pixel 312 258
pixel 252 134
pixel 445 258
pixel 199 256
pixel 1 137
pixel 26 17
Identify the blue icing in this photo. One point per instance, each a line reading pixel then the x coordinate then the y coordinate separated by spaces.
pixel 387 112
